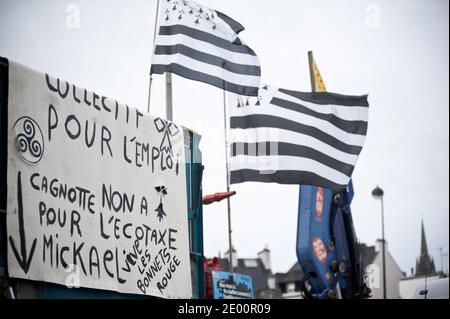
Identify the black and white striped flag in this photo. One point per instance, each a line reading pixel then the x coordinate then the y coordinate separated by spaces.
pixel 290 137
pixel 202 44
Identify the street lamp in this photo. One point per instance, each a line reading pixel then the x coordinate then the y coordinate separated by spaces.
pixel 378 193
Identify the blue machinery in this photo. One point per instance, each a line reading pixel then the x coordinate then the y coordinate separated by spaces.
pixel 11 287
pixel 327 246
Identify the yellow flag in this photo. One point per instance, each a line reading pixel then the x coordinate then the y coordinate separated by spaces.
pixel 319 85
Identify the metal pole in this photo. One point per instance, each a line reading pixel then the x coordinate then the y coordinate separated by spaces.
pixel 151 76
pixel 384 248
pixel 230 243
pixel 169 98
pixel 426 281
pixel 311 72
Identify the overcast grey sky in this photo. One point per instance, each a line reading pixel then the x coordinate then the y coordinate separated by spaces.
pixel 397 51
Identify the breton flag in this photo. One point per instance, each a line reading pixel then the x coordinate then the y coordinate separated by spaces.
pixel 290 137
pixel 202 44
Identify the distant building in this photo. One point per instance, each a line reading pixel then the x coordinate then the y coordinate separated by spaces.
pixel 372 262
pixel 288 284
pixel 425 269
pixel 424 264
pixel 259 269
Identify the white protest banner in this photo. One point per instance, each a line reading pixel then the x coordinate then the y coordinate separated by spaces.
pixel 96 191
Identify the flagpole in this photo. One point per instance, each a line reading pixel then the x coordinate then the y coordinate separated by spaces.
pixel 169 97
pixel 230 243
pixel 151 75
pixel 311 72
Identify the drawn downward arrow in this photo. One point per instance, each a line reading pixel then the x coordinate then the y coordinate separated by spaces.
pixel 23 260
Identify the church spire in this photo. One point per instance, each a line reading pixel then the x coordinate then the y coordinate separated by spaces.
pixel 423 245
pixel 424 264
